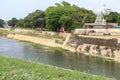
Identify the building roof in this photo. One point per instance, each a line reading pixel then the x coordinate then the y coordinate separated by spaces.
pixel 94 24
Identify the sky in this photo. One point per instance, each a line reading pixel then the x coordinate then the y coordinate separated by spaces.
pixel 21 8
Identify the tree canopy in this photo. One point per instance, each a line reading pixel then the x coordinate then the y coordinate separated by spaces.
pixel 67 15
pixel 2 23
pixel 33 20
pixel 112 17
pixel 13 22
pixel 60 15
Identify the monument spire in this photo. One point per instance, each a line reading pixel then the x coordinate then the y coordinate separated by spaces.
pixel 100 16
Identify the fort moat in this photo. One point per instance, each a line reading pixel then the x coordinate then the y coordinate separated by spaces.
pixel 22 50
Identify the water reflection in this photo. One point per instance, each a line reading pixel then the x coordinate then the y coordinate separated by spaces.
pixel 12 48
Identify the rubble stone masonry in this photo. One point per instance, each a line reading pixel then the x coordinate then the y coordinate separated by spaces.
pixel 109 48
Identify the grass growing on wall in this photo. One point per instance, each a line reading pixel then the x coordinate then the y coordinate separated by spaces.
pixel 16 69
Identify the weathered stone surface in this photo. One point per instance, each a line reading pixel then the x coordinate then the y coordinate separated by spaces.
pixel 96 46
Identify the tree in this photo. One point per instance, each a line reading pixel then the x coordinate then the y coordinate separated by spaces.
pixel 112 17
pixel 67 15
pixel 21 22
pixel 119 19
pixel 81 16
pixel 2 22
pixel 66 22
pixel 52 16
pixel 62 14
pixel 13 22
pixel 34 20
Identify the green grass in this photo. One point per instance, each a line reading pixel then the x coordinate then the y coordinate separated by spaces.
pixel 16 69
pixel 38 46
pixel 32 43
pixel 58 50
pixel 3 32
pixel 49 49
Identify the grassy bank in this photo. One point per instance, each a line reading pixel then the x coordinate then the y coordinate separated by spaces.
pixel 3 32
pixel 15 69
pixel 48 48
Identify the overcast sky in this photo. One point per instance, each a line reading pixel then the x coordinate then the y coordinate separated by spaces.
pixel 21 8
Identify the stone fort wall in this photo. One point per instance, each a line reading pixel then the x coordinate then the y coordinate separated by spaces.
pixel 109 48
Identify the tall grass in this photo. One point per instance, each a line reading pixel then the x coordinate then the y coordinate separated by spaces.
pixel 16 69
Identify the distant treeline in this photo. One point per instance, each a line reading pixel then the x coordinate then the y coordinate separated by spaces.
pixel 60 15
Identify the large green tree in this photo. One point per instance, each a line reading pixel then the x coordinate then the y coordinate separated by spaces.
pixel 2 22
pixel 67 15
pixel 21 22
pixel 112 17
pixel 13 22
pixel 33 20
pixel 62 14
